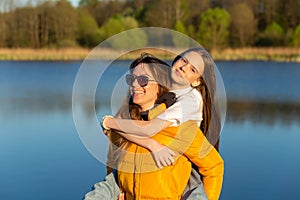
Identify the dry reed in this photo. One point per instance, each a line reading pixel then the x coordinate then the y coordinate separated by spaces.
pixel 283 54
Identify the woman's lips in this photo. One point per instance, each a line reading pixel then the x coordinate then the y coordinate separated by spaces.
pixel 137 93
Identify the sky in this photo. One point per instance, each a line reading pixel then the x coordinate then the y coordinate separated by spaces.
pixel 73 2
pixel 4 4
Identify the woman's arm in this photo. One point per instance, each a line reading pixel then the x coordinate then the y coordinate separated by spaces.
pixel 162 155
pixel 143 128
pixel 136 127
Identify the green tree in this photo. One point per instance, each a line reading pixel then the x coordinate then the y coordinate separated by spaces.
pixel 179 42
pixel 243 24
pixel 214 28
pixel 118 24
pixel 111 27
pixel 103 10
pixel 88 30
pixel 274 32
pixel 273 35
pixel 191 31
pixel 179 26
pixel 133 40
pixel 296 37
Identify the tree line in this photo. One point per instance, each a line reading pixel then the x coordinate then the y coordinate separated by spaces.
pixel 215 24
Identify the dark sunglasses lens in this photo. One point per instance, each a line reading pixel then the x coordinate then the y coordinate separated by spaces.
pixel 129 79
pixel 142 80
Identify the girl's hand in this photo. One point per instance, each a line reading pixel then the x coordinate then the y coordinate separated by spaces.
pixel 162 155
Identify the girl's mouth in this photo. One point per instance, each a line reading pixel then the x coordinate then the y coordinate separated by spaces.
pixel 178 73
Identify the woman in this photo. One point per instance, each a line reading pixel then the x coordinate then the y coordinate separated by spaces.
pixel 109 188
pixel 178 79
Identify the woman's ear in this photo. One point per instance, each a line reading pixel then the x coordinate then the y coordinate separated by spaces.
pixel 196 83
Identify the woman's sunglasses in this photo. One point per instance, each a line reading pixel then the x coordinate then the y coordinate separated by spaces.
pixel 142 80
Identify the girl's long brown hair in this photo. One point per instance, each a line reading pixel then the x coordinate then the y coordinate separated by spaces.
pixel 211 123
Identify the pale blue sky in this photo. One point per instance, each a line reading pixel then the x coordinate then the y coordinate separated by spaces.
pixel 74 2
pixel 4 4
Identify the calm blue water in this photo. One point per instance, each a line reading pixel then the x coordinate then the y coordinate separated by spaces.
pixel 42 157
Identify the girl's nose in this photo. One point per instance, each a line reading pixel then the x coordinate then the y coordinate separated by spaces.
pixel 182 68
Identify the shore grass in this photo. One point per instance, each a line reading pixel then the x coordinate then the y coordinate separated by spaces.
pixel 65 54
pixel 282 54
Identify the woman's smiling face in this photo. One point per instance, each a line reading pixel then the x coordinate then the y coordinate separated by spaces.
pixel 147 95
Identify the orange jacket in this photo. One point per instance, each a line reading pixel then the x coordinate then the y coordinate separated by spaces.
pixel 141 179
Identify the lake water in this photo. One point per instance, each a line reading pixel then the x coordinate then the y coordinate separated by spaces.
pixel 42 156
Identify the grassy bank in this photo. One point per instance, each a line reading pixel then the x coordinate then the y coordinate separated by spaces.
pixel 265 54
pixel 44 54
pixel 281 54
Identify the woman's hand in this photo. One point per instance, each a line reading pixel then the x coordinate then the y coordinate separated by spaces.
pixel 162 155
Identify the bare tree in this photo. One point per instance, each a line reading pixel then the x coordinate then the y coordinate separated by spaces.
pixel 290 13
pixel 64 22
pixel 268 13
pixel 195 9
pixel 3 29
pixel 165 13
pixel 243 26
pixel 44 12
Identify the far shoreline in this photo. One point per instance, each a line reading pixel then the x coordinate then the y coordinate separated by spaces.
pixel 278 54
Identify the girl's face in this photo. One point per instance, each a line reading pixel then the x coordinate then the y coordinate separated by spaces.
pixel 183 68
pixel 147 95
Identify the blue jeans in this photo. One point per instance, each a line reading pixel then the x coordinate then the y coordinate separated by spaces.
pixel 105 190
pixel 194 188
pixel 109 190
pixel 197 194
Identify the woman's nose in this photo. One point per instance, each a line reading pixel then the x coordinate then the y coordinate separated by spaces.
pixel 135 83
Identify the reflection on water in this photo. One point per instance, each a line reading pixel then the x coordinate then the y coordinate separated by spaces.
pixel 261 81
pixel 269 113
pixel 42 104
